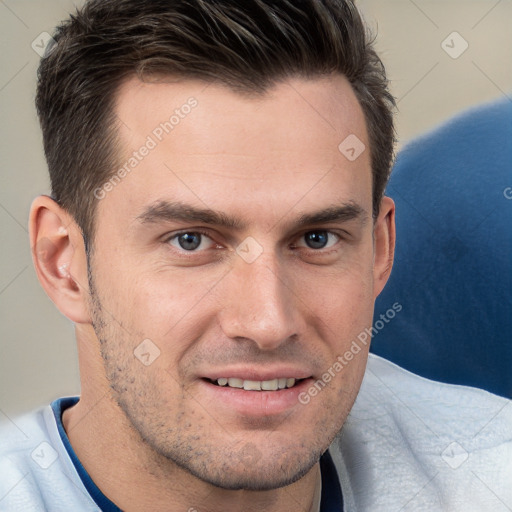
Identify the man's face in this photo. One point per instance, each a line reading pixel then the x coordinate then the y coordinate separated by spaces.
pixel 240 244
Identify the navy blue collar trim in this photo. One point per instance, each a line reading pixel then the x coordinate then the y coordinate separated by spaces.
pixel 58 407
pixel 332 500
pixel 332 497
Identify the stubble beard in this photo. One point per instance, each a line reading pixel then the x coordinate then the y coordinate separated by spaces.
pixel 169 442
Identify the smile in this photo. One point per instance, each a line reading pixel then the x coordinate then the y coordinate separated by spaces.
pixel 256 385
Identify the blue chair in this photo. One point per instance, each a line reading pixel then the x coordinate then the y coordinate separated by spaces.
pixel 453 264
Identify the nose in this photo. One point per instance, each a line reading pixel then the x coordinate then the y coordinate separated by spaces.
pixel 260 304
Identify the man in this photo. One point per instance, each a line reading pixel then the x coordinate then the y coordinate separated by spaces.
pixel 218 233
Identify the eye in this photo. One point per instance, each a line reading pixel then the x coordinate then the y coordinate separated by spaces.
pixel 191 241
pixel 319 239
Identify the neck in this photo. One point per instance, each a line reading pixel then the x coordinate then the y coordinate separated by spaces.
pixel 133 476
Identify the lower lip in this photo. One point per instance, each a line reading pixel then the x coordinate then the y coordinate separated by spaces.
pixel 254 403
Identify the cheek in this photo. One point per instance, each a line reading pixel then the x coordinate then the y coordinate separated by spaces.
pixel 342 298
pixel 171 308
pixel 139 290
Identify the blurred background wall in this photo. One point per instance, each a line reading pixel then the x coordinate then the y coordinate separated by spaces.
pixel 442 56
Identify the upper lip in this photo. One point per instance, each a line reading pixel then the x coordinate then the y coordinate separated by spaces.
pixel 258 374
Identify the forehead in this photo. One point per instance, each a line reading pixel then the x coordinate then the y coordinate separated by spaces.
pixel 207 145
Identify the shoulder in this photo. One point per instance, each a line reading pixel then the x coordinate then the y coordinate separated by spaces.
pixel 16 448
pixel 36 473
pixel 418 444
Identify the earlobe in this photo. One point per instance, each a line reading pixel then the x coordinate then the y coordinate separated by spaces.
pixel 384 244
pixel 59 258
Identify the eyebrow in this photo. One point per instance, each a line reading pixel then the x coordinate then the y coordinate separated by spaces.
pixel 165 211
pixel 336 213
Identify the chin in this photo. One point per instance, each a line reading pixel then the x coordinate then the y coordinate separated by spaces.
pixel 251 479
pixel 267 473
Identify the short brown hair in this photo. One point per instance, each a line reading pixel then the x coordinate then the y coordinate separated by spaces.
pixel 247 45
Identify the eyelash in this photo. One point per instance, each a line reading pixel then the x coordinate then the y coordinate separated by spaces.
pixel 168 239
pixel 201 232
pixel 323 250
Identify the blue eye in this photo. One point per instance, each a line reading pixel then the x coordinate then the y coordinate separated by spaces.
pixel 316 239
pixel 320 239
pixel 190 241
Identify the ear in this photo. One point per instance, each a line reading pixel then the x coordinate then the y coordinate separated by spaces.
pixel 58 253
pixel 384 235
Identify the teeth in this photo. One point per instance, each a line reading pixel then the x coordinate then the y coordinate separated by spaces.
pixel 270 385
pixel 257 385
pixel 235 383
pixel 252 385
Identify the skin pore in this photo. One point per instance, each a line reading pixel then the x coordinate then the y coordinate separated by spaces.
pixel 241 244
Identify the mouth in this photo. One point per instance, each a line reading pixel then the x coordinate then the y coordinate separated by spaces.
pixel 251 398
pixel 256 385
